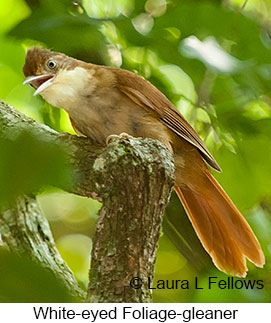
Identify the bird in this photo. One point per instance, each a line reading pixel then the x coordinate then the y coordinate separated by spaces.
pixel 103 101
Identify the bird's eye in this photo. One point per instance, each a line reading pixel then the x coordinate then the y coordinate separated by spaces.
pixel 51 64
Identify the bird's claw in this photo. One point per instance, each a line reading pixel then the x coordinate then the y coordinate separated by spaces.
pixel 122 135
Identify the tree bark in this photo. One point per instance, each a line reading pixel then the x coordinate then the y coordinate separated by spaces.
pixel 135 179
pixel 132 177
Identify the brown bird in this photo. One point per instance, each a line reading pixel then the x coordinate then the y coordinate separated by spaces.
pixel 102 101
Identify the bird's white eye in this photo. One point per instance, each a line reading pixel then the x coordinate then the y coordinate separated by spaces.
pixel 52 64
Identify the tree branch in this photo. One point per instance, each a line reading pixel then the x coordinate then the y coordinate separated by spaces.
pixel 133 178
pixel 26 232
pixel 81 152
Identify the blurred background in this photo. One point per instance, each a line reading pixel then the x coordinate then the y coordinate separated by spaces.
pixel 212 59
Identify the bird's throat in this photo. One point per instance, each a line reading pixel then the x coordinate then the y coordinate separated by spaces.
pixel 69 88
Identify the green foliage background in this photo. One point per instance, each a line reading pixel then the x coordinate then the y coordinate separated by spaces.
pixel 229 106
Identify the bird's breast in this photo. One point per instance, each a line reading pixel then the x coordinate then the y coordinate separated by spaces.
pixel 99 117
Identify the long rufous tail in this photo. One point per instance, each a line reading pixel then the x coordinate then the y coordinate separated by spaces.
pixel 221 228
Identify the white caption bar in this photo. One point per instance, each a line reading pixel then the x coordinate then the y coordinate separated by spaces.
pixel 158 312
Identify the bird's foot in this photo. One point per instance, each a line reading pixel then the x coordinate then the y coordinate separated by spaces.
pixel 64 135
pixel 122 135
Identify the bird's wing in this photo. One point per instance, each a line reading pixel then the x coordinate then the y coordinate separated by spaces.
pixel 144 94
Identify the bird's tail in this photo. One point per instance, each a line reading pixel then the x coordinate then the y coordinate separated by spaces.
pixel 221 228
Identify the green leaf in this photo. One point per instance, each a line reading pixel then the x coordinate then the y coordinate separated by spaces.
pixel 52 24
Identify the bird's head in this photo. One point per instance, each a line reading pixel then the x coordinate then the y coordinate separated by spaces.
pixel 42 66
pixel 60 79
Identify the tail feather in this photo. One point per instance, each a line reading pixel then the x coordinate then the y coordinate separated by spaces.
pixel 223 231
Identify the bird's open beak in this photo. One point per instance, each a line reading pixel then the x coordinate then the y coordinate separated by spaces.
pixel 39 82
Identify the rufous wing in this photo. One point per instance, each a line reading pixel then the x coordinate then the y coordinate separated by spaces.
pixel 144 94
